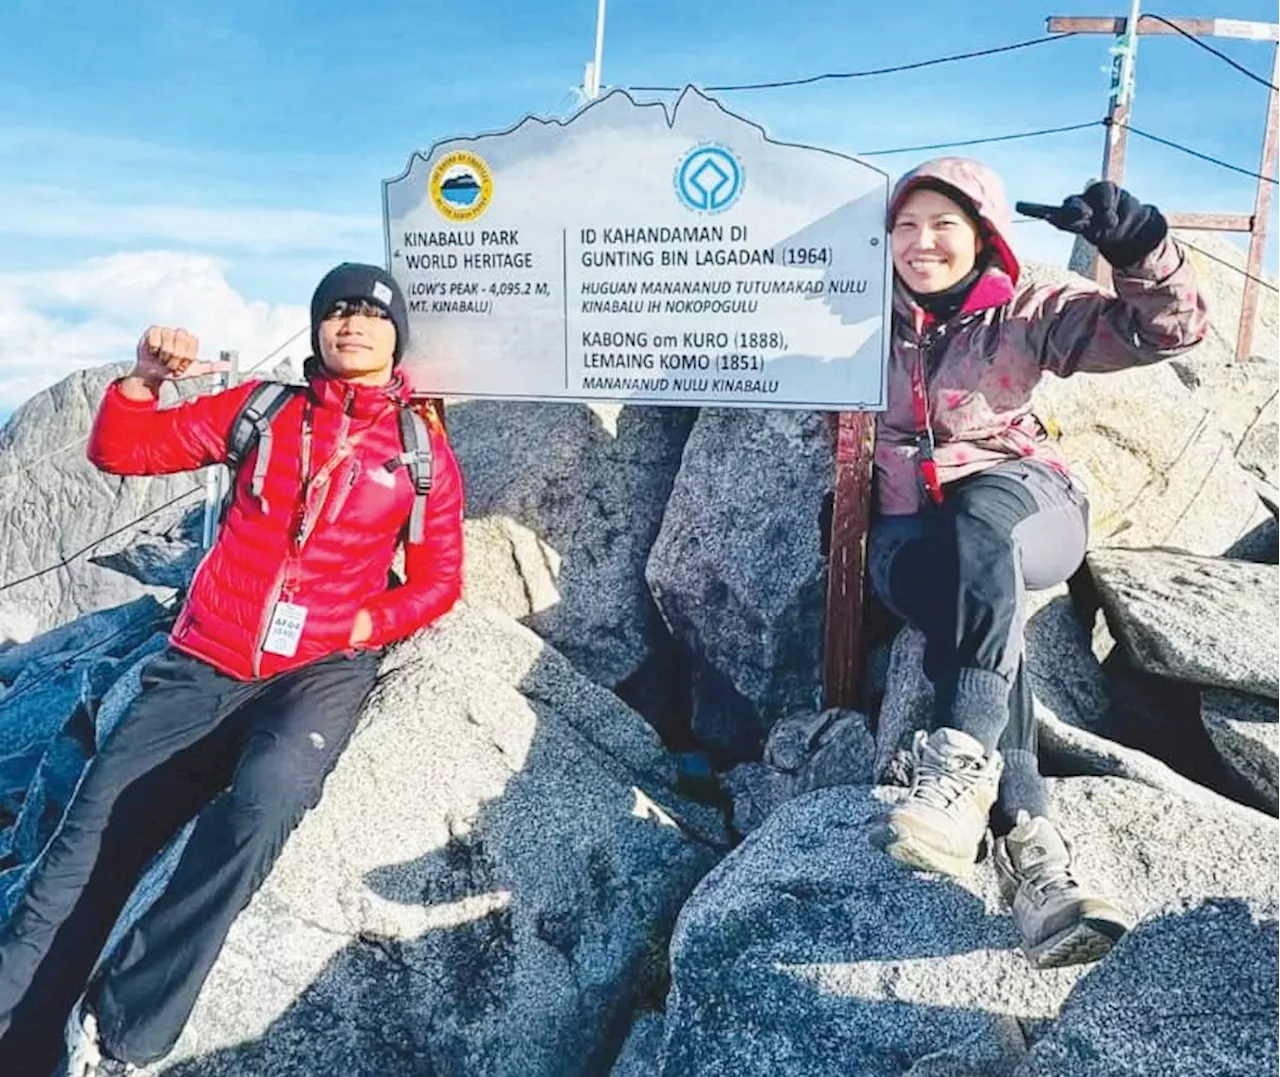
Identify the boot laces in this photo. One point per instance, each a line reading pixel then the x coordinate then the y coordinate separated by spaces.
pixel 1049 877
pixel 942 779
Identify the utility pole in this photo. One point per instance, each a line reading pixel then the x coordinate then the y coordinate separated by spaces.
pixel 1126 32
pixel 1123 77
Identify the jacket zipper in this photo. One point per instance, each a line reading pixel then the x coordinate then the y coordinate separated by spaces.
pixel 338 499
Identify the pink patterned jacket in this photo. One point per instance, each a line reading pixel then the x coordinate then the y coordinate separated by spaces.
pixel 982 366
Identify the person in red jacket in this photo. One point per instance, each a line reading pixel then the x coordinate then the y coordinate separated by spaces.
pixel 242 717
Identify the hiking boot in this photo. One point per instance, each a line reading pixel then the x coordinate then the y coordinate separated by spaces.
pixel 944 818
pixel 85 1056
pixel 1059 922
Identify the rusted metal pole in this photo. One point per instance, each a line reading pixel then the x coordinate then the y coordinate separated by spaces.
pixel 1261 218
pixel 850 519
pixel 1112 24
pixel 428 406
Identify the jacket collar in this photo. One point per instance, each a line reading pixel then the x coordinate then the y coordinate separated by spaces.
pixel 358 401
pixel 993 289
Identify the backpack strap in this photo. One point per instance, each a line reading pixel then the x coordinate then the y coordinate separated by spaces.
pixel 416 439
pixel 252 426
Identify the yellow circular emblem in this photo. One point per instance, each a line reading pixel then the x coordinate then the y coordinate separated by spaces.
pixel 461 186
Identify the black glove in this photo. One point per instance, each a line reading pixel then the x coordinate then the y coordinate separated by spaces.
pixel 1123 229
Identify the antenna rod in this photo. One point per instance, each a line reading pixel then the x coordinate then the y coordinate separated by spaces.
pixel 593 88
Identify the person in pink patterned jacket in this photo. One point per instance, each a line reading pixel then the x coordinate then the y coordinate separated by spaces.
pixel 974 507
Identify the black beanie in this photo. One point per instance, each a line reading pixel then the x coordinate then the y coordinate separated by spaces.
pixel 352 280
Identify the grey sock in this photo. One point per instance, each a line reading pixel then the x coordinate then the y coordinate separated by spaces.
pixel 1021 789
pixel 975 701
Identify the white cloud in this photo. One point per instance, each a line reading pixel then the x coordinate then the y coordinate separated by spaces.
pixel 55 213
pixel 56 322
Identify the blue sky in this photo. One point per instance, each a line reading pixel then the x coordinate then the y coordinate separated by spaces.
pixel 206 162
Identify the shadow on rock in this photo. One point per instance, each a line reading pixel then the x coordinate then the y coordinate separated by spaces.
pixel 809 952
pixel 1192 991
pixel 487 888
pixel 564 502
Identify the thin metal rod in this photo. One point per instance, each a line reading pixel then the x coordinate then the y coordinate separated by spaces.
pixel 1210 222
pixel 1130 60
pixel 216 479
pixel 594 89
pixel 1261 220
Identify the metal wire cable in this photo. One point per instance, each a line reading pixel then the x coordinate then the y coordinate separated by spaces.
pixel 780 83
pixel 277 350
pixel 1209 48
pixel 1229 265
pixel 166 608
pixel 980 141
pixel 99 541
pixel 1187 149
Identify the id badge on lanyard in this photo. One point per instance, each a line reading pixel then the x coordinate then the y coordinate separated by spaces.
pixel 285 629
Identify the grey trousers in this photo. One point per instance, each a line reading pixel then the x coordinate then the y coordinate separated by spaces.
pixel 960 573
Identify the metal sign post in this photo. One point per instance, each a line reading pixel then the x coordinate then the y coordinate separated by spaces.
pixel 846 567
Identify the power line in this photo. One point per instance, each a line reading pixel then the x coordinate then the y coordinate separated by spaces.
pixel 1209 48
pixel 1193 153
pixel 99 541
pixel 75 443
pixel 1229 265
pixel 274 352
pixel 166 608
pixel 865 74
pixel 155 511
pixel 980 141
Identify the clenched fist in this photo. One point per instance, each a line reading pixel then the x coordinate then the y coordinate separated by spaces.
pixel 165 353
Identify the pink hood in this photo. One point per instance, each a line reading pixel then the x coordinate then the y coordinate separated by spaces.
pixel 982 187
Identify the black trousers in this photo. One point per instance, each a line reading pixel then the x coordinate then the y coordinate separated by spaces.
pixel 960 573
pixel 246 760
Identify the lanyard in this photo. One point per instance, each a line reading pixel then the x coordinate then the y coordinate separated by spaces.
pixel 924 429
pixel 319 481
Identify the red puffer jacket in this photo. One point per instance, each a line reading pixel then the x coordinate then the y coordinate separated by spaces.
pixel 352 515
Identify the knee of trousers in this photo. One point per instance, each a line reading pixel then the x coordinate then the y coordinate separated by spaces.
pixel 986 556
pixel 275 785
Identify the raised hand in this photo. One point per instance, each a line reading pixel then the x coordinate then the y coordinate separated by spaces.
pixel 1123 229
pixel 170 354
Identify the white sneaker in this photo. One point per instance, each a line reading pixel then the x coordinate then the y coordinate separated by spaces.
pixel 85 1057
pixel 944 818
